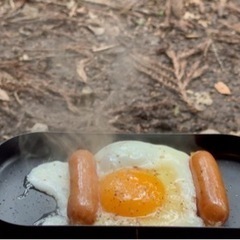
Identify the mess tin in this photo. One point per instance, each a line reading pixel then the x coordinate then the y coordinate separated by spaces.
pixel 19 155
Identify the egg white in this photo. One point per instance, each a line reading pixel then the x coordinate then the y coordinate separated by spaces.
pixel 52 178
pixel 171 164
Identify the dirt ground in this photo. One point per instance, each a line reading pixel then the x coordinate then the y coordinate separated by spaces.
pixel 119 66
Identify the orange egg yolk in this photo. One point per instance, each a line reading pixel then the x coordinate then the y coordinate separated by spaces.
pixel 131 192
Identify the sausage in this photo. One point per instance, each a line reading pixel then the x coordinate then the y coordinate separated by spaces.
pixel 212 201
pixel 83 199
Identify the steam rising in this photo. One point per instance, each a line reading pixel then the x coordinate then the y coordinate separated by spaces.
pixel 111 82
pixel 58 146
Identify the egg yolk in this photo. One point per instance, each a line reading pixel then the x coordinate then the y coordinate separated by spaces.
pixel 131 192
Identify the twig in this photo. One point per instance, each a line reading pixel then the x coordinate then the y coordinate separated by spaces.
pixel 215 51
pixel 202 47
pixel 224 36
pixel 107 3
pixel 52 2
pixel 38 89
pixel 144 62
pixel 55 32
pixel 176 78
pixel 104 48
pixel 127 7
pixel 17 98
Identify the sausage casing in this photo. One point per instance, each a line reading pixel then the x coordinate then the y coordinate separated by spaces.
pixel 83 198
pixel 212 201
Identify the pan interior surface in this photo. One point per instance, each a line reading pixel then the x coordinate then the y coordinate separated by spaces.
pixel 19 156
pixel 18 205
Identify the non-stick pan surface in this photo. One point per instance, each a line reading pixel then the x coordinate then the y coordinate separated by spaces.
pixel 19 155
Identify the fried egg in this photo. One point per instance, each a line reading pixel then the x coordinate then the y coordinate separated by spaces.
pixel 140 184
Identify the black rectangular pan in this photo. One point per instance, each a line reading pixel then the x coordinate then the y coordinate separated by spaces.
pixel 20 154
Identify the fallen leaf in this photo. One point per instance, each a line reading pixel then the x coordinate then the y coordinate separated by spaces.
pixel 177 8
pixel 93 16
pixel 190 16
pixel 87 91
pixel 4 96
pixel 103 48
pixel 73 10
pixel 203 23
pixel 31 11
pixel 96 30
pixel 17 4
pixel 222 88
pixel 70 4
pixel 193 35
pixel 81 71
pixel 39 127
pixel 199 72
pixel 82 10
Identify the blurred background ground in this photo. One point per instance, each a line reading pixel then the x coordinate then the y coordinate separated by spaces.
pixel 119 66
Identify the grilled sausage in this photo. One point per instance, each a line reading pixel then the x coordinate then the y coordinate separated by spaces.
pixel 83 199
pixel 212 201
